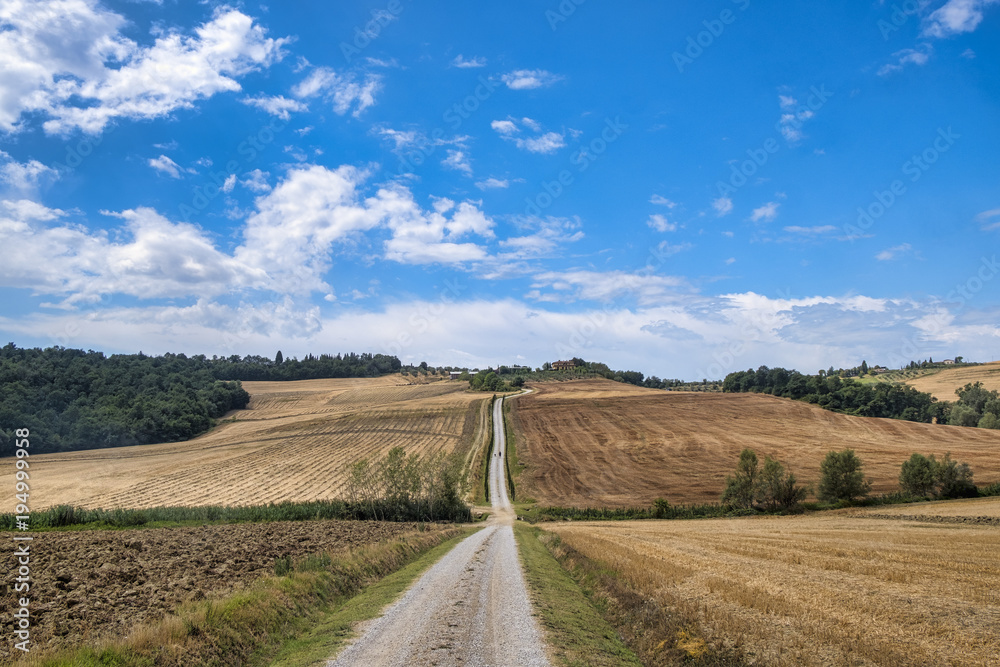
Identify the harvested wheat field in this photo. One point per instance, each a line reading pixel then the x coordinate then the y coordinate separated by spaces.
pixel 817 590
pixel 291 443
pixel 972 510
pixel 942 384
pixel 601 443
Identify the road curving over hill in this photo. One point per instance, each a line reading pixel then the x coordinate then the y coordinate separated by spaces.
pixel 470 608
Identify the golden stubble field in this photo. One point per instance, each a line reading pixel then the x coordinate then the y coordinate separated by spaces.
pixel 291 443
pixel 830 589
pixel 601 443
pixel 942 384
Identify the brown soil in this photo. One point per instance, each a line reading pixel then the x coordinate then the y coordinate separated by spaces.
pixel 92 584
pixel 601 443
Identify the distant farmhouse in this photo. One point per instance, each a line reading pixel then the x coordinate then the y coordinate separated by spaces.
pixel 949 362
pixel 455 374
pixel 563 365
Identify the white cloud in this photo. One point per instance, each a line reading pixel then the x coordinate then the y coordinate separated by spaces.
pixel 504 127
pixel 548 235
pixel 229 183
pixel 340 89
pixel 990 220
pixel 492 184
pixel 526 79
pixel 458 161
pixel 546 143
pixel 68 60
pixel 723 206
pixel 291 233
pixel 956 17
pixel 155 258
pixel 905 57
pixel 766 213
pixel 660 223
pixel 549 142
pixel 662 201
pixel 256 181
pixel 811 231
pixel 166 165
pixel 459 61
pixel 786 101
pixel 584 285
pixel 24 178
pixel 894 252
pixel 277 105
pixel 422 237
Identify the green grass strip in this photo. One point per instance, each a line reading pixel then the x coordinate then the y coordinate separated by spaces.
pixel 575 631
pixel 330 630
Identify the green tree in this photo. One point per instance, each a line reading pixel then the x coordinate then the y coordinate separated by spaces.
pixel 954 480
pixel 918 475
pixel 777 489
pixel 741 488
pixel 841 477
pixel 989 420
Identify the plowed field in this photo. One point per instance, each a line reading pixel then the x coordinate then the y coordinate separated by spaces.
pixel 601 443
pixel 291 443
pixel 91 584
pixel 830 589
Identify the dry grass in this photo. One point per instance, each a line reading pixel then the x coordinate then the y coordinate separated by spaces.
pixel 290 444
pixel 602 443
pixel 966 508
pixel 942 384
pixel 833 589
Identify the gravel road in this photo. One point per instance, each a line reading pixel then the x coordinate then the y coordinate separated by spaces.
pixel 470 608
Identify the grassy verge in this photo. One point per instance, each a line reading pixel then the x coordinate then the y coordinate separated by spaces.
pixel 655 634
pixel 576 632
pixel 333 627
pixel 280 615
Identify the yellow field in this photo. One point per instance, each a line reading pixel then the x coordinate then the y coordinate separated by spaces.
pixel 831 589
pixel 942 384
pixel 289 444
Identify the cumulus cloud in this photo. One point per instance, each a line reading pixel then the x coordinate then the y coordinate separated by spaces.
pixel 660 223
pixel 543 142
pixel 662 201
pixel 956 17
pixel 23 178
pixel 723 206
pixel 906 57
pixel 165 165
pixel 527 79
pixel 766 213
pixel 277 105
pixel 458 161
pixel 69 61
pixel 606 286
pixel 459 61
pixel 342 90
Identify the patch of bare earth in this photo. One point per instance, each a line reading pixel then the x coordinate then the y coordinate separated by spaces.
pixel 88 585
pixel 602 443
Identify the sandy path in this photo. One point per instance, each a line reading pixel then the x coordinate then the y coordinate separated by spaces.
pixel 471 608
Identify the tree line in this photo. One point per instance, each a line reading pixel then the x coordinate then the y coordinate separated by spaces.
pixel 897 401
pixel 772 488
pixel 74 399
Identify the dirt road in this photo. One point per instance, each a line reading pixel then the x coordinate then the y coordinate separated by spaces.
pixel 471 608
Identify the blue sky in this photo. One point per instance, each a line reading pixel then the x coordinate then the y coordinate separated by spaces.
pixel 684 189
